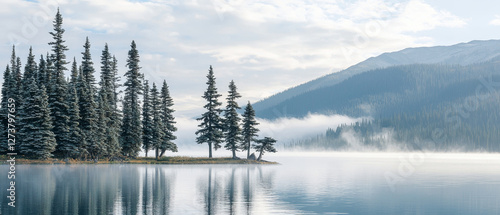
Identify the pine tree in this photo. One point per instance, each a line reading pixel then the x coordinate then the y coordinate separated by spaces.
pixel 76 146
pixel 88 113
pixel 16 78
pixel 88 104
pixel 58 48
pixel 211 127
pixel 99 148
pixel 249 131
pixel 39 140
pixel 168 121
pixel 57 89
pixel 265 145
pixel 147 121
pixel 42 73
pixel 6 86
pixel 88 66
pixel 57 86
pixel 108 88
pixel 31 68
pixel 131 126
pixel 232 130
pixel 49 68
pixel 157 132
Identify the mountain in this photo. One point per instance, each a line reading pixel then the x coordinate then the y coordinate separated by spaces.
pixel 422 106
pixel 290 102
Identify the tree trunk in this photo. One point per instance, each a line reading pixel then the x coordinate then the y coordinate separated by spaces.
pixel 209 150
pixel 248 150
pixel 146 152
pixel 162 152
pixel 156 153
pixel 234 154
pixel 260 154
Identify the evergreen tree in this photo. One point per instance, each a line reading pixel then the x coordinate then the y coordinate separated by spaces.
pixel 42 73
pixel 99 148
pixel 265 145
pixel 131 126
pixel 108 88
pixel 48 71
pixel 88 113
pixel 88 66
pixel 88 104
pixel 16 78
pixel 58 48
pixel 232 130
pixel 6 86
pixel 168 120
pixel 38 139
pixel 30 69
pixel 249 131
pixel 147 121
pixel 57 86
pixel 211 126
pixel 73 79
pixel 157 127
pixel 76 146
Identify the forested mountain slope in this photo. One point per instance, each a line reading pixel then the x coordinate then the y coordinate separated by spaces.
pixel 460 54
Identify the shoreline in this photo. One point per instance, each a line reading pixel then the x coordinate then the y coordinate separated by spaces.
pixel 143 160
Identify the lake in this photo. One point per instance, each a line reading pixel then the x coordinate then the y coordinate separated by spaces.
pixel 309 183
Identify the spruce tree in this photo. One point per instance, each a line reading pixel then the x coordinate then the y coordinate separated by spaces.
pixel 88 66
pixel 30 69
pixel 108 88
pixel 38 139
pixel 131 126
pixel 88 113
pixel 168 121
pixel 157 132
pixel 147 121
pixel 6 86
pixel 76 141
pixel 249 131
pixel 88 104
pixel 265 145
pixel 49 67
pixel 42 73
pixel 58 48
pixel 16 77
pixel 211 126
pixel 232 130
pixel 57 86
pixel 57 90
pixel 100 148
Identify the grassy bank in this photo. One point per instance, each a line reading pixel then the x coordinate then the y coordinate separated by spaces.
pixel 142 160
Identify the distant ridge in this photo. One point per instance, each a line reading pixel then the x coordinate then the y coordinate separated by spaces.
pixel 460 54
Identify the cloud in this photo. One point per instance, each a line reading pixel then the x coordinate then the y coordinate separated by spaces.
pixel 495 21
pixel 264 46
pixel 287 129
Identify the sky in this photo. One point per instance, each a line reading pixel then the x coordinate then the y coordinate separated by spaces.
pixel 264 46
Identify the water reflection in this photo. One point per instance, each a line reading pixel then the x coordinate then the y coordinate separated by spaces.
pixel 136 189
pixel 337 183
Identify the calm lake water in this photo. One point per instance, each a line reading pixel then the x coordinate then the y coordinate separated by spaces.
pixel 320 183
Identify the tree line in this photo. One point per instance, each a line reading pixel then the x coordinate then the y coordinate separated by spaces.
pixel 80 118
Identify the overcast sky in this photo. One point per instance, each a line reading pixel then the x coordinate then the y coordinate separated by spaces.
pixel 265 46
